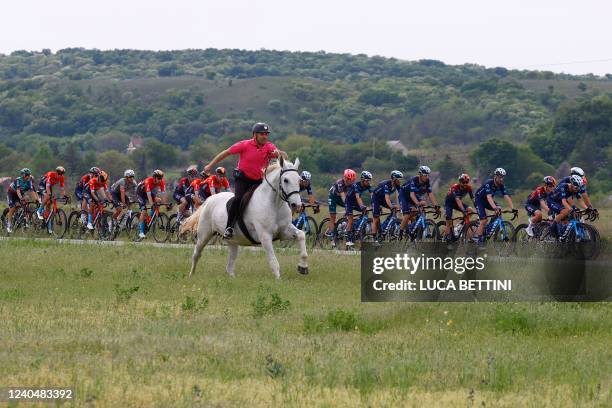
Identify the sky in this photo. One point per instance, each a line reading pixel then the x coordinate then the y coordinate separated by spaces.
pixel 559 36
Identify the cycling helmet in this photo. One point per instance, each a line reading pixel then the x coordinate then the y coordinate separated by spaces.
pixel 103 177
pixel 129 173
pixel 306 175
pixel 94 170
pixel 550 181
pixel 499 172
pixel 464 178
pixel 366 175
pixel 424 170
pixel 576 180
pixel 60 170
pixel 577 170
pixel 350 174
pixel 396 174
pixel 192 171
pixel 158 173
pixel 26 172
pixel 220 170
pixel 261 128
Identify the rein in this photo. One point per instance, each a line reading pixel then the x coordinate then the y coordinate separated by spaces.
pixel 283 195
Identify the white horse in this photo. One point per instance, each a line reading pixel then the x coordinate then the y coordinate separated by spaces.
pixel 267 217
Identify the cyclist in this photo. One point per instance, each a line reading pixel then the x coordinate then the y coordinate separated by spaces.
pixel 536 202
pixel 584 196
pixel 19 187
pixel 95 193
pixel 180 192
pixel 80 187
pixel 146 192
pixel 305 185
pixel 559 201
pixel 381 197
pixel 453 201
pixel 198 191
pixel 353 200
pixel 45 188
pixel 123 192
pixel 484 201
pixel 217 183
pixel 411 196
pixel 337 196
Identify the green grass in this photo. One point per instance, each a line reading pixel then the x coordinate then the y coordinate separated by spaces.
pixel 126 327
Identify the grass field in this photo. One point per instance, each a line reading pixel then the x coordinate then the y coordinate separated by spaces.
pixel 126 327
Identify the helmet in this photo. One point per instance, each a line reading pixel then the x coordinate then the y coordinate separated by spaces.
pixel 576 180
pixel 158 173
pixel 464 178
pixel 129 173
pixel 577 170
pixel 94 170
pixel 260 127
pixel 220 170
pixel 499 172
pixel 396 174
pixel 60 170
pixel 26 172
pixel 424 170
pixel 306 175
pixel 102 177
pixel 350 174
pixel 366 175
pixel 550 181
pixel 203 174
pixel 192 171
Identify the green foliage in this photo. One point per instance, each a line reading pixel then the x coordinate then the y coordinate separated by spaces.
pixel 123 295
pixel 85 273
pixel 449 169
pixel 114 163
pixel 269 303
pixel 190 304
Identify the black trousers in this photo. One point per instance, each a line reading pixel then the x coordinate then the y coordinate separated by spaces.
pixel 242 184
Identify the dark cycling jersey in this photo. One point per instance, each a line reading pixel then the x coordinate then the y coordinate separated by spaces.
pixel 415 186
pixel 19 184
pixel 338 187
pixel 383 188
pixel 562 191
pixel 457 191
pixel 182 186
pixel 490 188
pixel 582 188
pixel 307 188
pixel 537 195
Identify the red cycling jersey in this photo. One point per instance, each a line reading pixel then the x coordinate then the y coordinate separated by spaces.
pixel 95 184
pixel 53 178
pixel 217 183
pixel 196 185
pixel 84 181
pixel 151 183
pixel 458 192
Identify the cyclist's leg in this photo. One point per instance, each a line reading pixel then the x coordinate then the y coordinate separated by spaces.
pixel 376 211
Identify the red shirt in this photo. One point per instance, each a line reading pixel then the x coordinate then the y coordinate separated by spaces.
pixel 53 178
pixel 217 183
pixel 85 180
pixel 95 184
pixel 151 183
pixel 459 191
pixel 253 159
pixel 196 184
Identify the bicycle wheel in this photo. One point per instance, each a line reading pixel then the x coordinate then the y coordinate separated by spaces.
pixel 364 234
pixel 59 224
pixel 3 219
pixel 133 227
pixel 441 227
pixel 524 244
pixel 105 226
pixel 74 225
pixel 341 232
pixel 160 228
pixel 503 239
pixel 430 233
pixel 469 231
pixel 585 241
pixel 324 241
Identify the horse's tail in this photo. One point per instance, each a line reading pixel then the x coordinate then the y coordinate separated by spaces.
pixel 191 223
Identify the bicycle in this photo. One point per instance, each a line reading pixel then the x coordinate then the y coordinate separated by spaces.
pixel 459 231
pixel 124 222
pixel 55 223
pixel 362 228
pixel 174 226
pixel 499 231
pixel 526 244
pixel 389 229
pixel 581 239
pixel 158 223
pixel 23 219
pixel 307 224
pixel 423 229
pixel 103 223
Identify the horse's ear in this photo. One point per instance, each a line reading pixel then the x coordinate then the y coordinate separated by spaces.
pixel 297 163
pixel 281 161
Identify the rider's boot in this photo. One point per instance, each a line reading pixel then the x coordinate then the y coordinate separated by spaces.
pixel 229 233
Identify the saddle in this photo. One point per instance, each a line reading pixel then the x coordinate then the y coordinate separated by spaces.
pixel 246 198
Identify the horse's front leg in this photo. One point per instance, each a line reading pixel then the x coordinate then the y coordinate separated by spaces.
pixel 231 258
pixel 266 243
pixel 291 232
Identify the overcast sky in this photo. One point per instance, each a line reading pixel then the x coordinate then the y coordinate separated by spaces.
pixel 556 35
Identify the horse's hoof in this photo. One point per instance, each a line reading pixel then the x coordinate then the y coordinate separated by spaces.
pixel 303 270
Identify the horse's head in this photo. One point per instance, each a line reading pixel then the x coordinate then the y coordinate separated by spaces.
pixel 289 182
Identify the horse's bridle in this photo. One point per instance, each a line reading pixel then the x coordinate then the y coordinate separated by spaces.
pixel 284 196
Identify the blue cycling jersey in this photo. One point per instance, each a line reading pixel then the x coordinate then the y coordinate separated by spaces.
pixel 567 180
pixel 562 191
pixel 20 184
pixel 385 187
pixel 490 188
pixel 307 188
pixel 356 188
